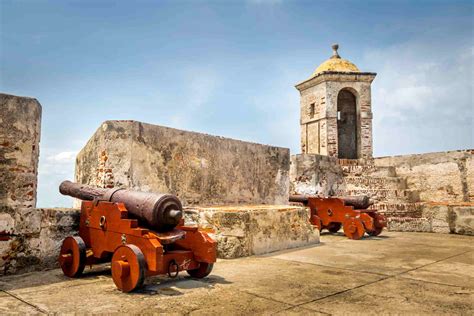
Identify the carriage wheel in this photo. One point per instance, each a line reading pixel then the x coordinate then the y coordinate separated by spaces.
pixel 203 271
pixel 316 221
pixel 334 227
pixel 128 268
pixel 72 256
pixel 353 228
pixel 379 224
pixel 377 231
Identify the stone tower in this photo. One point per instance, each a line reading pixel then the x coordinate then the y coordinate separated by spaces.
pixel 336 111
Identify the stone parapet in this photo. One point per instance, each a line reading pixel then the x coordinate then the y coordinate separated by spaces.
pixel 315 175
pixel 368 170
pixel 409 224
pixel 384 195
pixel 255 229
pixel 20 128
pixel 457 218
pixel 34 240
pixel 200 169
pixel 439 177
pixel 462 220
pixel 360 183
pixel 424 192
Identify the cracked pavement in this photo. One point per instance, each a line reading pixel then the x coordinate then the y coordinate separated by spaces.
pixel 402 273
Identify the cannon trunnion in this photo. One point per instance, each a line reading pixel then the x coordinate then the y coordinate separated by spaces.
pixel 107 233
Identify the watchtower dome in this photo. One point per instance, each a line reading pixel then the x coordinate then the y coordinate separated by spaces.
pixel 336 111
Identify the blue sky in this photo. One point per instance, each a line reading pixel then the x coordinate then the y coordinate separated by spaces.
pixel 229 68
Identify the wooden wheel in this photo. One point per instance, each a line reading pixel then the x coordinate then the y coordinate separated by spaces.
pixel 334 227
pixel 353 228
pixel 379 224
pixel 375 232
pixel 72 256
pixel 316 221
pixel 128 268
pixel 203 271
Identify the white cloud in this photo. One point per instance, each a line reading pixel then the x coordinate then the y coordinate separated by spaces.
pixel 422 97
pixel 63 157
pixel 55 166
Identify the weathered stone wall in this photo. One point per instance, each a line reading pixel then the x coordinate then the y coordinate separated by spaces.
pixel 29 237
pixel 437 177
pixel 20 127
pixel 315 175
pixel 457 218
pixel 427 192
pixel 441 184
pixel 20 123
pixel 37 247
pixel 255 229
pixel 200 169
pixel 313 120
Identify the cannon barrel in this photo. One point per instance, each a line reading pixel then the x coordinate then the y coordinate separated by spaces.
pixel 157 211
pixel 358 201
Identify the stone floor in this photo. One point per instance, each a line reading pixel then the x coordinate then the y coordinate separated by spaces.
pixel 402 273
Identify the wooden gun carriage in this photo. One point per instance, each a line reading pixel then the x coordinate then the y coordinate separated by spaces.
pixel 350 213
pixel 141 234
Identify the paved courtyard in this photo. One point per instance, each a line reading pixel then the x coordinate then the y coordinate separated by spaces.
pixel 403 273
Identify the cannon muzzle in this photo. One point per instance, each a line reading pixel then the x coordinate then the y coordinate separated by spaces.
pixel 158 211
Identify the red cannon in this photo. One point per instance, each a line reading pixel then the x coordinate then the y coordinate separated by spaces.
pixel 141 234
pixel 351 213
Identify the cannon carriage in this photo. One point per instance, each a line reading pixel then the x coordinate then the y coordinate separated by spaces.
pixel 141 234
pixel 351 213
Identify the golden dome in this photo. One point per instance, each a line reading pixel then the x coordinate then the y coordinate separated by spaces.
pixel 336 63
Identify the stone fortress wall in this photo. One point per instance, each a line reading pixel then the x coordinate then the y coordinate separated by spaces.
pixel 200 169
pixel 238 189
pixel 29 237
pixel 442 184
pixel 425 192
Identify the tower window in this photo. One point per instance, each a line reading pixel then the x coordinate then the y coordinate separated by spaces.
pixel 311 110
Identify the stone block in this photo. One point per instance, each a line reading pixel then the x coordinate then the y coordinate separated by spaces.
pixel 312 174
pixel 20 121
pixel 407 224
pixel 27 221
pixel 60 220
pixel 438 215
pixel 7 224
pixel 462 220
pixel 39 248
pixel 444 177
pixel 253 230
pixel 200 169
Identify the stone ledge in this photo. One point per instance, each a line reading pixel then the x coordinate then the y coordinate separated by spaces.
pixel 462 220
pixel 436 217
pixel 255 229
pixel 409 224
pixel 36 249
